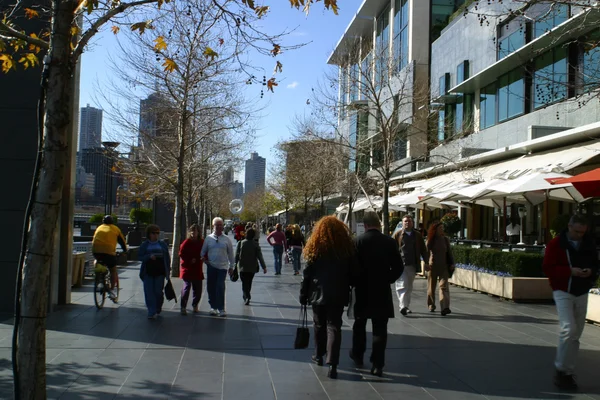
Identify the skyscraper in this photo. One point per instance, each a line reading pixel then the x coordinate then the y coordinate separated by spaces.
pixel 90 128
pixel 255 173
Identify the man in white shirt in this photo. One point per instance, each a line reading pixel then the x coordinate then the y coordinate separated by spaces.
pixel 513 231
pixel 217 253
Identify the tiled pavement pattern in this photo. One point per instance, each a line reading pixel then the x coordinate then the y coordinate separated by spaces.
pixel 487 349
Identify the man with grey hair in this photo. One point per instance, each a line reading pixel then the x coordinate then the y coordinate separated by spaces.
pixel 412 248
pixel 217 253
pixel 571 265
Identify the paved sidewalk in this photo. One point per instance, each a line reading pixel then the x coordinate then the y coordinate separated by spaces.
pixel 487 349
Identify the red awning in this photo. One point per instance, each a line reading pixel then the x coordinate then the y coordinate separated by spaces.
pixel 588 183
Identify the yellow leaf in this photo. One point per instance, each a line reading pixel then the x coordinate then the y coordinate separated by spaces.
pixel 115 29
pixel 276 50
pixel 169 65
pixel 74 30
pixel 142 26
pixel 271 84
pixel 333 5
pixel 30 14
pixel 208 52
pixel 2 46
pixel 7 62
pixel 160 43
pixel 278 67
pixel 261 11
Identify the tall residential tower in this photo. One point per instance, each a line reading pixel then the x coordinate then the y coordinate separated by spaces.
pixel 255 173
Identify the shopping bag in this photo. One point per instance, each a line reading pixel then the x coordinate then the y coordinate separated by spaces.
pixel 169 291
pixel 302 332
pixel 234 275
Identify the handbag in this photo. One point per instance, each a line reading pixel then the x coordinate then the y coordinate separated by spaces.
pixel 169 291
pixel 234 275
pixel 302 332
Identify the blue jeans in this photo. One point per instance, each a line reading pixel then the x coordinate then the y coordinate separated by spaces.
pixel 153 292
pixel 277 253
pixel 297 256
pixel 215 286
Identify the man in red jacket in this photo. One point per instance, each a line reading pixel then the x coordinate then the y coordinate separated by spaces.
pixel 571 265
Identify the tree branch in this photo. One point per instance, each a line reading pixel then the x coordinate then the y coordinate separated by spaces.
pixel 14 34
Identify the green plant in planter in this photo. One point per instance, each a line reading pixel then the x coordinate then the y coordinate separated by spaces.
pixel 97 218
pixel 559 224
pixel 144 215
pixel 451 223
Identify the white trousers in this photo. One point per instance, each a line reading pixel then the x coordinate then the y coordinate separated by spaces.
pixel 571 319
pixel 404 285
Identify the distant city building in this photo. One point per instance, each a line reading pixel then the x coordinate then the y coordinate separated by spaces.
pixel 95 162
pixel 90 128
pixel 237 189
pixel 155 118
pixel 255 173
pixel 228 175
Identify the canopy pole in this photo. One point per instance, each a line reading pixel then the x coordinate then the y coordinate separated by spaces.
pixel 504 213
pixel 547 212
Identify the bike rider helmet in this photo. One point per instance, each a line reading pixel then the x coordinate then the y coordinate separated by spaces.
pixel 107 220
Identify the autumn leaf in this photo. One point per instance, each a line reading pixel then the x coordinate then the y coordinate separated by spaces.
pixel 261 11
pixel 169 65
pixel 297 3
pixel 74 30
pixel 333 5
pixel 2 46
pixel 271 84
pixel 29 60
pixel 276 50
pixel 142 26
pixel 249 3
pixel 31 14
pixel 278 67
pixel 115 29
pixel 221 41
pixel 160 44
pixel 18 44
pixel 208 52
pixel 90 5
pixel 33 47
pixel 7 62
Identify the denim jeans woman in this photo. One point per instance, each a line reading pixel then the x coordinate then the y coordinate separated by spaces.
pixel 278 254
pixel 279 243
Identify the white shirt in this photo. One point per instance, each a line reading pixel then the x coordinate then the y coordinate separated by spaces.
pixel 513 229
pixel 219 250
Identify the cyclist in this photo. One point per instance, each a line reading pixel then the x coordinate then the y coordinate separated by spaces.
pixel 104 248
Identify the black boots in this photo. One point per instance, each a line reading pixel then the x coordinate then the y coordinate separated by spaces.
pixel 332 373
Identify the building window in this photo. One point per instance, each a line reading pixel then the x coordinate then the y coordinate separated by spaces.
pixel 589 62
pixel 462 72
pixel 382 47
pixel 352 139
pixel 401 33
pixel 441 126
pixel 354 81
pixel 343 91
pixel 487 106
pixel 366 76
pixel 550 77
pixel 511 37
pixel 400 146
pixel 511 95
pixel 549 17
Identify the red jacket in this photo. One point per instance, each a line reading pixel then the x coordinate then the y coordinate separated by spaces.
pixel 190 249
pixel 557 269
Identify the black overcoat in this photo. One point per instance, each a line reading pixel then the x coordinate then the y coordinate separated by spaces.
pixel 380 265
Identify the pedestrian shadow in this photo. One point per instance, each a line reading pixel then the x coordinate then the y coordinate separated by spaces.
pixel 521 319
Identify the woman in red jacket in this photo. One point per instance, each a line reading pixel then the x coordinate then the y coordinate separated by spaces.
pixel 191 268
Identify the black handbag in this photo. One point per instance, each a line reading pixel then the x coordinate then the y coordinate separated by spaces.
pixel 302 332
pixel 169 291
pixel 234 275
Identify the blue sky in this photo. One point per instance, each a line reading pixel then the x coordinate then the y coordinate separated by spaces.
pixel 302 68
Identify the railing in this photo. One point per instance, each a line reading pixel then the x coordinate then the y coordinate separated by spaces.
pixel 503 246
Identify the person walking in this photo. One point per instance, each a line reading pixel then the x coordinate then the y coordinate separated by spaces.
pixel 330 264
pixel 154 255
pixel 247 256
pixel 217 253
pixel 296 243
pixel 440 265
pixel 571 265
pixel 256 233
pixel 278 241
pixel 412 249
pixel 191 268
pixel 380 265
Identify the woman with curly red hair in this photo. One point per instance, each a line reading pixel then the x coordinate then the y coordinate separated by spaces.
pixel 330 264
pixel 441 264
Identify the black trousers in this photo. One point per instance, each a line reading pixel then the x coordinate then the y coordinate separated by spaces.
pixel 359 339
pixel 246 278
pixel 328 332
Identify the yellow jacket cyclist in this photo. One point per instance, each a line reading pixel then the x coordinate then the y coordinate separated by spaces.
pixel 104 246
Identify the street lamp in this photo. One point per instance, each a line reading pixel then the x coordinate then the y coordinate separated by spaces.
pixel 110 150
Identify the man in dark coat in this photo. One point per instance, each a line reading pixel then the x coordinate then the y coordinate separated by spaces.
pixel 380 266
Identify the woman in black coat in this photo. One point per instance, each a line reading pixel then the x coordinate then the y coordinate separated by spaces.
pixel 330 265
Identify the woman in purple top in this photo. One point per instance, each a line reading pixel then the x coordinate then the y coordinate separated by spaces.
pixel 277 240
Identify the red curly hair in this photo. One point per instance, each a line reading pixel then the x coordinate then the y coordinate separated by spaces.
pixel 330 238
pixel 431 233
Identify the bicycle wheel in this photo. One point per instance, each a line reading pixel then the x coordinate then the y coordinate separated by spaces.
pixel 100 290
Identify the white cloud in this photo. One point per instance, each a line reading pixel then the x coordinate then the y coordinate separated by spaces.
pixel 293 85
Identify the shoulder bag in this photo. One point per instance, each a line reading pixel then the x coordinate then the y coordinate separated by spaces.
pixel 302 332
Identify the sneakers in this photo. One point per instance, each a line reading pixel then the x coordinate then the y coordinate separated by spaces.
pixel 404 311
pixel 222 313
pixel 564 381
pixel 247 302
pixel 446 311
pixel 183 311
pixel 153 316
pixel 214 312
pixel 431 309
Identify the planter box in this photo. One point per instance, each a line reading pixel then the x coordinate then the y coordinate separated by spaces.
pixel 593 308
pixel 517 289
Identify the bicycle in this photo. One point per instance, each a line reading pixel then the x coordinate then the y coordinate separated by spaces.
pixel 102 286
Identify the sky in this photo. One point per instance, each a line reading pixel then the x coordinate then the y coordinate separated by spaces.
pixel 302 68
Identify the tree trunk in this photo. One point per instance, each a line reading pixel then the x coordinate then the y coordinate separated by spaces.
pixel 179 206
pixel 31 353
pixel 385 208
